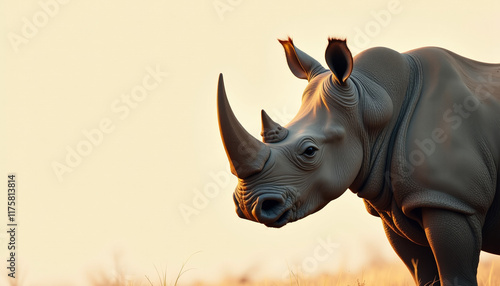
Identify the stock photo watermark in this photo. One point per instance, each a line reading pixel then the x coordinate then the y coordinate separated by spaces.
pixel 202 198
pixel 379 20
pixel 222 7
pixel 325 248
pixel 454 117
pixel 219 181
pixel 31 26
pixel 122 108
pixel 12 226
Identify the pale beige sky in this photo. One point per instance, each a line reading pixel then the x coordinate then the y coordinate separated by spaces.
pixel 108 119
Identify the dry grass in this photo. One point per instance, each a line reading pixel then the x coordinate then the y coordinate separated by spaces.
pixel 388 274
pixel 380 274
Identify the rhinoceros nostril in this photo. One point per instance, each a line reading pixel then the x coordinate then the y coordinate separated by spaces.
pixel 269 208
pixel 270 205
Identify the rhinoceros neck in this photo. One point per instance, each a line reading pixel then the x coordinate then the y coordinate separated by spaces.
pixel 373 181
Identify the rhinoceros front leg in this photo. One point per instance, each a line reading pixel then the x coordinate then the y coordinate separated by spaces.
pixel 455 240
pixel 415 255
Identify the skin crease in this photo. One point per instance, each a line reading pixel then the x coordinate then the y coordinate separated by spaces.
pixel 312 178
pixel 366 125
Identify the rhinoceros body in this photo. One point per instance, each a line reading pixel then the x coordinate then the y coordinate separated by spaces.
pixel 415 135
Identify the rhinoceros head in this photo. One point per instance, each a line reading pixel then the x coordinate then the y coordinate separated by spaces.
pixel 300 167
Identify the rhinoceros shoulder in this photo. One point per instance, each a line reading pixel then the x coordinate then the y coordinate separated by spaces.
pixel 450 148
pixel 382 65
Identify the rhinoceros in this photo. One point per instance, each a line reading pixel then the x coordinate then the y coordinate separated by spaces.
pixel 416 135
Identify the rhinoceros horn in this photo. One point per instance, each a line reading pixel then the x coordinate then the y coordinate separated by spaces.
pixel 246 154
pixel 271 131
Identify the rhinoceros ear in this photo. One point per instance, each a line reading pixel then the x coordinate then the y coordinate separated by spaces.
pixel 301 64
pixel 339 59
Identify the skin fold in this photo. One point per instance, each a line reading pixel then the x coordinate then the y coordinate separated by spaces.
pixel 416 135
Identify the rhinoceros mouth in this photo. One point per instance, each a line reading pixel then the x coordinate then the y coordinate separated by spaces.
pixel 282 220
pixel 269 206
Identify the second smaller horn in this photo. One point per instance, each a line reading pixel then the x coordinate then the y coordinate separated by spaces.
pixel 272 132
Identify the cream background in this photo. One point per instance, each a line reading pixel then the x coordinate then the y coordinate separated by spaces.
pixel 123 198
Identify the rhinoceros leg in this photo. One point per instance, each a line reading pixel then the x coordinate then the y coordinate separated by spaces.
pixel 455 240
pixel 413 254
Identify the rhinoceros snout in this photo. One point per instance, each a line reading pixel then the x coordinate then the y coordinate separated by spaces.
pixel 268 209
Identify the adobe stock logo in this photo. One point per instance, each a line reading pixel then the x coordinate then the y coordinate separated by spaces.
pixel 223 6
pixel 122 108
pixel 452 120
pixel 202 197
pixel 379 20
pixel 219 180
pixel 32 26
pixel 325 248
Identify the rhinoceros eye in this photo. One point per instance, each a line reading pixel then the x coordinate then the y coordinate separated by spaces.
pixel 310 151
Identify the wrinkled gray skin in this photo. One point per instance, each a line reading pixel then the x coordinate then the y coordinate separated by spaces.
pixel 415 135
